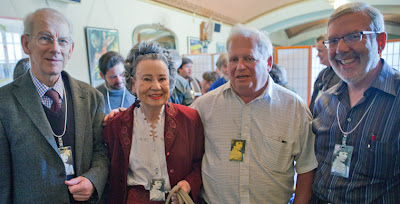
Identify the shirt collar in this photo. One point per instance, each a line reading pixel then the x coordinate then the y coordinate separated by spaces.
pixel 385 81
pixel 42 88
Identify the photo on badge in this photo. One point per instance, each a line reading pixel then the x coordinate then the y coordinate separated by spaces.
pixel 238 148
pixel 66 156
pixel 341 160
pixel 157 192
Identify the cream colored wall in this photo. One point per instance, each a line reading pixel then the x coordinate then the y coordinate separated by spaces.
pixel 123 15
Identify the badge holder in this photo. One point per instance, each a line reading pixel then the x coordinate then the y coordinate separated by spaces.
pixel 238 148
pixel 157 191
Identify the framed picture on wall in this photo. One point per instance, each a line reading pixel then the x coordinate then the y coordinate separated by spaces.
pixel 194 45
pixel 99 41
pixel 221 47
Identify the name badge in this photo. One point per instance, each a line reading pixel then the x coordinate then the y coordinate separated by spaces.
pixel 238 148
pixel 68 159
pixel 341 160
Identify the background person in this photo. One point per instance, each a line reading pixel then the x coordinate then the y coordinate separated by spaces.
pixel 44 112
pixel 327 77
pixel 113 89
pixel 182 92
pixel 208 79
pixel 222 66
pixel 359 113
pixel 22 66
pixel 155 139
pixel 185 71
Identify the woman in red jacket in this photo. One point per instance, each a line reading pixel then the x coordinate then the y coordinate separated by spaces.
pixel 153 141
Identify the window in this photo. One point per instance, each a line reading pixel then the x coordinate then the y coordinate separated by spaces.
pixel 11 49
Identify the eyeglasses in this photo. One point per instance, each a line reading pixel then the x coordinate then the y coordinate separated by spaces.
pixel 45 41
pixel 349 39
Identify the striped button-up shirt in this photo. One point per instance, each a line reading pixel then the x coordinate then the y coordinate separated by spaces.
pixel 375 164
pixel 277 129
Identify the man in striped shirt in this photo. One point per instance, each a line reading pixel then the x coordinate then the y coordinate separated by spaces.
pixel 360 115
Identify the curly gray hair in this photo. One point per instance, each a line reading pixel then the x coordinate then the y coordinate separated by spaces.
pixel 148 51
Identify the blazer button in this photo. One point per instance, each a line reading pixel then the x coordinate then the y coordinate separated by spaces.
pixel 167 153
pixel 171 171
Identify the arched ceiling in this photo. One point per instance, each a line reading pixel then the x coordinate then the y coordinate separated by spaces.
pixel 289 22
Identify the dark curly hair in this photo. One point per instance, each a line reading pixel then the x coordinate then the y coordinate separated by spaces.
pixel 148 51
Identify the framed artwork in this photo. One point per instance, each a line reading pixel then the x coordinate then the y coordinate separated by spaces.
pixel 221 47
pixel 194 45
pixel 99 41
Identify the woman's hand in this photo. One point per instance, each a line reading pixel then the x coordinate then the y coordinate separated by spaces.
pixel 185 186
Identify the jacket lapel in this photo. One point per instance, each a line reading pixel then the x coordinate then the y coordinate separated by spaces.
pixel 29 99
pixel 170 129
pixel 125 131
pixel 79 96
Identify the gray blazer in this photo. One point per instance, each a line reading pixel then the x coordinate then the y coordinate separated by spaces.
pixel 32 170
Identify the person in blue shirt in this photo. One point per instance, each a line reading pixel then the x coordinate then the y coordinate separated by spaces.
pixel 222 66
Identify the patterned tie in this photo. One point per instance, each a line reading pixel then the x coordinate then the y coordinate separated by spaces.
pixel 56 100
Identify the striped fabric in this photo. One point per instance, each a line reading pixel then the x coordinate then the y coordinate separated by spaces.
pixel 42 89
pixel 277 129
pixel 375 163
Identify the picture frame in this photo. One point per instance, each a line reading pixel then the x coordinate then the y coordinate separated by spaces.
pixel 194 45
pixel 221 47
pixel 98 42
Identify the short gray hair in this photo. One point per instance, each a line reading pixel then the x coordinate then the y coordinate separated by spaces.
pixel 52 13
pixel 263 43
pixel 377 20
pixel 148 51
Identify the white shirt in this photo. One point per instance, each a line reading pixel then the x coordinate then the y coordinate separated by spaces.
pixel 277 129
pixel 147 157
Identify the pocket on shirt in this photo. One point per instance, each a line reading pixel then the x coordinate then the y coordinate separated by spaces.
pixel 380 160
pixel 276 155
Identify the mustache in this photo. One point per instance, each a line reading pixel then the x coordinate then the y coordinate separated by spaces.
pixel 340 56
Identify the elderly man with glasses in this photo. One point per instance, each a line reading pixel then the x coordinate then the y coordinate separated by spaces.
pixel 360 115
pixel 51 147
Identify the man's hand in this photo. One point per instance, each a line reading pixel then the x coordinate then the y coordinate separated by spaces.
pixel 112 113
pixel 185 186
pixel 81 188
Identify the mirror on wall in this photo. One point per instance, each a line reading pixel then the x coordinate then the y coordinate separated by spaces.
pixel 155 32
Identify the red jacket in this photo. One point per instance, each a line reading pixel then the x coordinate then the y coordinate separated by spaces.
pixel 184 149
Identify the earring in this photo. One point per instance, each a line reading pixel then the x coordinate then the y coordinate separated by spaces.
pixel 137 102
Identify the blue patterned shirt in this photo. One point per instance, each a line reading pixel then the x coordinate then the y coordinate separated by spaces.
pixel 42 89
pixel 375 164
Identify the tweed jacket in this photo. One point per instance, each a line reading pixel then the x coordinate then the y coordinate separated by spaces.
pixel 184 149
pixel 32 170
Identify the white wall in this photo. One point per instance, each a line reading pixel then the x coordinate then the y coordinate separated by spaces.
pixel 123 15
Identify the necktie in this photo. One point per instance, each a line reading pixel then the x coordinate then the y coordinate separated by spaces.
pixel 56 100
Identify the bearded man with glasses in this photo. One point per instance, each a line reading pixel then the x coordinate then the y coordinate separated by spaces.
pixel 51 148
pixel 360 115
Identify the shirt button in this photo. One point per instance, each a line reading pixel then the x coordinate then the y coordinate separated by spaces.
pixel 348 119
pixel 171 171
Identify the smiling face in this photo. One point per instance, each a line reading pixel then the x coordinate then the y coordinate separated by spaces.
pixel 47 61
pixel 152 83
pixel 248 69
pixel 157 185
pixel 354 63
